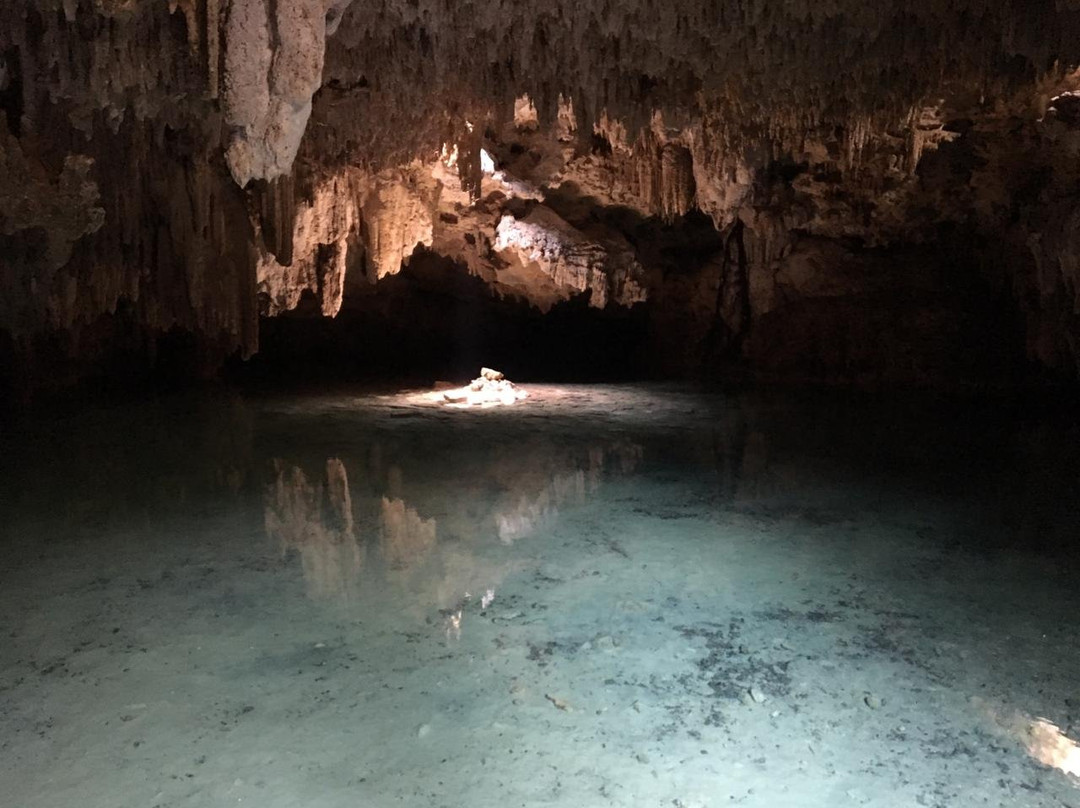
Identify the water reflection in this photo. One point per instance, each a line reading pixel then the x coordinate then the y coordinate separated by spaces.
pixel 401 526
pixel 526 510
pixel 316 520
pixel 405 537
pixel 844 549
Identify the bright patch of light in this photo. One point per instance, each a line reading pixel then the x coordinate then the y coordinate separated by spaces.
pixel 525 114
pixel 1042 739
pixel 449 156
pixel 452 625
pixel 1051 747
pixel 538 242
pixel 490 389
pixel 487 164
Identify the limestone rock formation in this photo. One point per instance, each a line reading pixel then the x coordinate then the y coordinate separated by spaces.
pixel 569 259
pixel 323 230
pixel 273 66
pixel 842 191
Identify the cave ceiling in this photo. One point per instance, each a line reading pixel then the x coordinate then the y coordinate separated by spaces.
pixel 205 161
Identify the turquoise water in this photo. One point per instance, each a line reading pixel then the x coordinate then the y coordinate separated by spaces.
pixel 601 596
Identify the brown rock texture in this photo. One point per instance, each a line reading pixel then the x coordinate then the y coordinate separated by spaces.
pixel 842 191
pixel 273 66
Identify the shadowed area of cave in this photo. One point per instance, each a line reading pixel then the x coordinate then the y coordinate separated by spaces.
pixel 593 403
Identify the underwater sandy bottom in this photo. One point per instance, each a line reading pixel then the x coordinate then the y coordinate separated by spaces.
pixel 626 596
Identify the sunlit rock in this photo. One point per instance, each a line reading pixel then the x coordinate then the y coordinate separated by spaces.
pixel 322 230
pixel 400 212
pixel 490 389
pixel 544 242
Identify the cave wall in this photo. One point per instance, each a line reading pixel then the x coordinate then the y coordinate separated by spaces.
pixel 846 191
pixel 120 234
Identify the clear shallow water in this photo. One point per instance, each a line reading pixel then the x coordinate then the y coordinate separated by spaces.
pixel 606 596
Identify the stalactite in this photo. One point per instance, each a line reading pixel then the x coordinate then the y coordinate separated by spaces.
pixel 127 128
pixel 400 212
pixel 319 231
pixel 273 66
pixel 275 202
pixel 213 45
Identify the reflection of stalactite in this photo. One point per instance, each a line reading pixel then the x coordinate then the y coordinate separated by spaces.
pixel 729 443
pixel 596 467
pixel 629 456
pixel 405 537
pixel 1041 738
pixel 533 510
pixel 732 318
pixel 742 462
pixel 317 522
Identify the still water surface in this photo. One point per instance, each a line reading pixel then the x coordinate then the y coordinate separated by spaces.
pixel 601 596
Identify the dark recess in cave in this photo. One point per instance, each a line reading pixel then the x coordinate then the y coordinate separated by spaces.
pixel 433 322
pixel 11 90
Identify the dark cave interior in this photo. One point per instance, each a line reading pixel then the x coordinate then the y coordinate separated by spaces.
pixel 561 403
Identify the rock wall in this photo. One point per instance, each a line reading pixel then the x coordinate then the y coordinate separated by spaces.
pixel 116 227
pixel 890 190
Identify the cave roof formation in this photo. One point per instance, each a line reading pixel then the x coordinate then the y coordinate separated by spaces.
pixel 197 163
